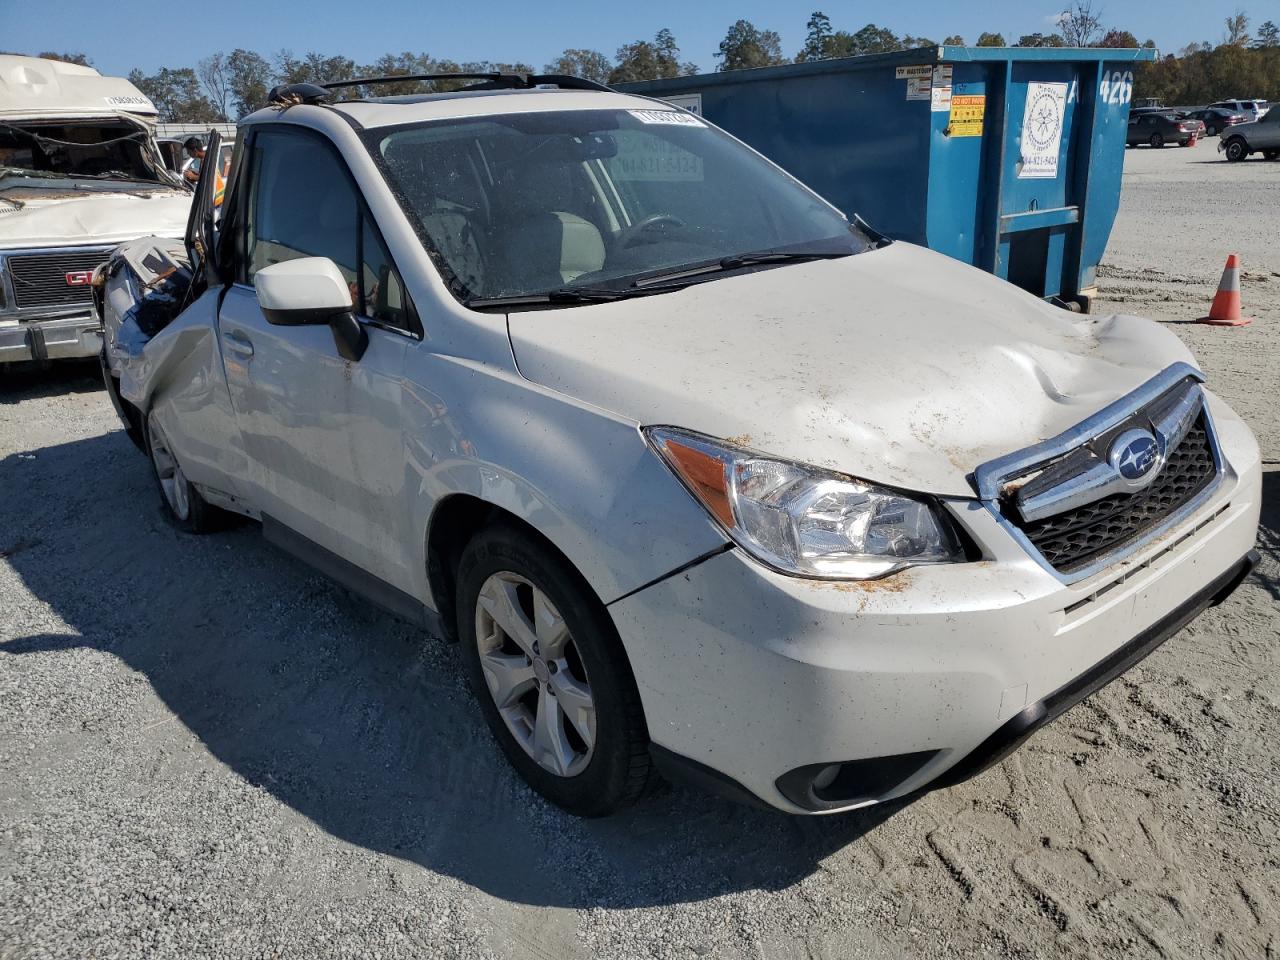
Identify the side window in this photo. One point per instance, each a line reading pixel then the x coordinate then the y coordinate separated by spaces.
pixel 303 203
pixel 381 289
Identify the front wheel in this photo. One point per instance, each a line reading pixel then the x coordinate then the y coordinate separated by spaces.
pixel 1236 150
pixel 184 506
pixel 544 660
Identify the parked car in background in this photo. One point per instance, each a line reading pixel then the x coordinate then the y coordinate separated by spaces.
pixel 1158 129
pixel 1217 119
pixel 79 173
pixel 1259 136
pixel 1251 109
pixel 700 474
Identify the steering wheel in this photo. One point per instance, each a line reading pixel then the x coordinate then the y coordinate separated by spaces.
pixel 632 235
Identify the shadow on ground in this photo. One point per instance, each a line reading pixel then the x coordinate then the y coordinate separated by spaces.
pixel 27 381
pixel 1269 532
pixel 346 715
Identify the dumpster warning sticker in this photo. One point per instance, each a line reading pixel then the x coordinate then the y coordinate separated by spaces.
pixel 1042 130
pixel 941 95
pixel 967 111
pixel 918 88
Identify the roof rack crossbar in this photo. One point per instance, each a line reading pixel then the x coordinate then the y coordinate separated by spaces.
pixel 492 81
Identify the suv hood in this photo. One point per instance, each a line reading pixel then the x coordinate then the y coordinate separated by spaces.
pixel 83 217
pixel 899 366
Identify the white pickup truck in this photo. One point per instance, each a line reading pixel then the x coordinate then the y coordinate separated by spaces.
pixel 79 174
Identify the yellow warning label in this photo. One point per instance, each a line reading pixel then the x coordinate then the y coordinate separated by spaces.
pixel 966 115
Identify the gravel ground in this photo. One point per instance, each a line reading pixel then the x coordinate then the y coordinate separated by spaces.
pixel 207 751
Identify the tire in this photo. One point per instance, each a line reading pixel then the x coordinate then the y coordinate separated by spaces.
pixel 1237 150
pixel 1271 154
pixel 183 505
pixel 1210 131
pixel 590 763
pixel 1157 140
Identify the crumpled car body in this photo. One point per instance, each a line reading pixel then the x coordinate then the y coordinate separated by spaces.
pixel 616 433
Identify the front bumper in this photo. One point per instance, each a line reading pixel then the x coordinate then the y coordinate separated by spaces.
pixel 747 675
pixel 57 338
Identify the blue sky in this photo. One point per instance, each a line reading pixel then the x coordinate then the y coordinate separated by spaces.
pixel 124 34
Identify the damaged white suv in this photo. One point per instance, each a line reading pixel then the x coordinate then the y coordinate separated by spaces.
pixel 702 476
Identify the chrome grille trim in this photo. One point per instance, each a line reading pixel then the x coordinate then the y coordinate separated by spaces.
pixel 36 278
pixel 990 478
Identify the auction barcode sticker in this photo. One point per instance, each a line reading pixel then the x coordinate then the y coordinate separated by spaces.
pixel 678 118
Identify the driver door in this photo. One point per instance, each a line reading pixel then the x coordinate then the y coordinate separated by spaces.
pixel 322 433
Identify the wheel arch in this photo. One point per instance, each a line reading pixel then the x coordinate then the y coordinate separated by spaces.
pixel 1237 138
pixel 454 522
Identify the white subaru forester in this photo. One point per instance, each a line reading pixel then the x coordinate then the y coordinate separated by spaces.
pixel 701 475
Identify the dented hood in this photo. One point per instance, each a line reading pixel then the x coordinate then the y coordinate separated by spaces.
pixel 84 217
pixel 899 366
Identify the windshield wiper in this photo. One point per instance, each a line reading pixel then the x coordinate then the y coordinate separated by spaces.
pixel 737 261
pixel 566 295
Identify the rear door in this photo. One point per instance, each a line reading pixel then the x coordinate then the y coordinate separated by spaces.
pixel 322 433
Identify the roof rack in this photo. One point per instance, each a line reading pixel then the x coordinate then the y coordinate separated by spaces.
pixel 485 81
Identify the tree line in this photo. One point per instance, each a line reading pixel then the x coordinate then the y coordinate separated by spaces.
pixel 225 86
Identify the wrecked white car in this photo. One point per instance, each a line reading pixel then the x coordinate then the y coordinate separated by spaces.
pixel 79 173
pixel 702 476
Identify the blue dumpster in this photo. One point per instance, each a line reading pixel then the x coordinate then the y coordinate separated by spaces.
pixel 1006 158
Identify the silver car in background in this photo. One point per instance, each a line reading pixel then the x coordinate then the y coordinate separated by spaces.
pixel 1261 136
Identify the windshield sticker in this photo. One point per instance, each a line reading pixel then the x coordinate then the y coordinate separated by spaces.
pixel 644 157
pixel 1042 130
pixel 678 118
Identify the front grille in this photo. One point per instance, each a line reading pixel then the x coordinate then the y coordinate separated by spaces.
pixel 40 279
pixel 1074 539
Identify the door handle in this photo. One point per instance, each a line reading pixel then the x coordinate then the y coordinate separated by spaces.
pixel 238 343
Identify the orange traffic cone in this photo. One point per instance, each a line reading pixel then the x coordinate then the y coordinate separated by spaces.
pixel 1225 311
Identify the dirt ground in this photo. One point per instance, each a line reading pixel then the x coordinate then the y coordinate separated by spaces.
pixel 208 751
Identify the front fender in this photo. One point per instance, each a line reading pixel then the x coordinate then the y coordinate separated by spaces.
pixel 582 477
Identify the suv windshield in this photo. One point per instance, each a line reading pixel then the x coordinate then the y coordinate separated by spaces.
pixel 584 204
pixel 98 149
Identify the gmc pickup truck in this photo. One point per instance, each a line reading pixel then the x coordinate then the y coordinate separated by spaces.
pixel 79 174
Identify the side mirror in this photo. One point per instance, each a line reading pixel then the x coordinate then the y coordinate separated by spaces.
pixel 308 291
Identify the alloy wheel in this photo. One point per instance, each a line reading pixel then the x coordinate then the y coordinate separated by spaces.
pixel 535 674
pixel 172 481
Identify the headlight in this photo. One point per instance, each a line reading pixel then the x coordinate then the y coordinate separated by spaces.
pixel 803 520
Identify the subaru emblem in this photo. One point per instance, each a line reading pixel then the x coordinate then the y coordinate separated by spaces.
pixel 1135 455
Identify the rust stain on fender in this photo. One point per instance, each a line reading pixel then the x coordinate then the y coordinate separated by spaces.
pixel 894 583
